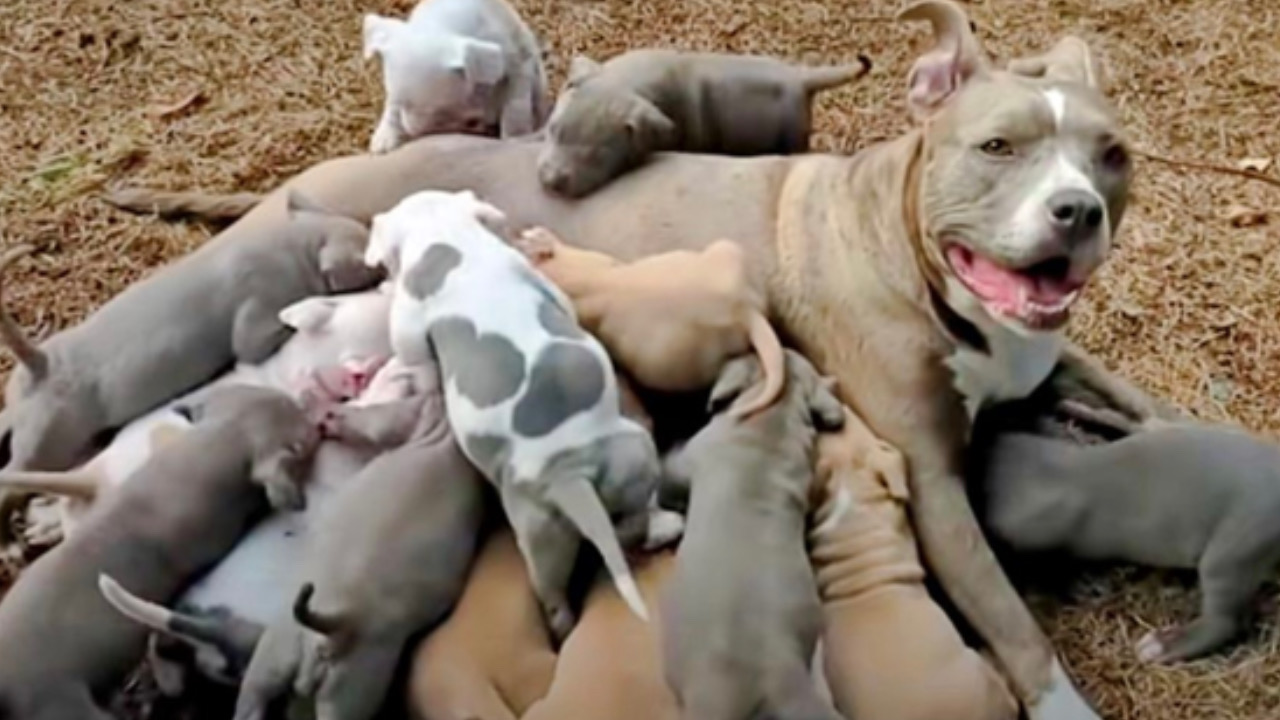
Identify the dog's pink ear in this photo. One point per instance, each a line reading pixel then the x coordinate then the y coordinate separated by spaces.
pixel 378 32
pixel 955 58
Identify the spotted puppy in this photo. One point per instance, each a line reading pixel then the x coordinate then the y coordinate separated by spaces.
pixel 532 397
pixel 743 608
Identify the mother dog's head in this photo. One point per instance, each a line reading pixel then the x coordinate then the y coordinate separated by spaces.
pixel 1024 174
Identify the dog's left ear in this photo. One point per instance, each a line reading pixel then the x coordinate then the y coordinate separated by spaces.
pixel 378 33
pixel 647 121
pixel 1070 60
pixel 955 58
pixel 297 203
pixel 481 62
pixel 827 410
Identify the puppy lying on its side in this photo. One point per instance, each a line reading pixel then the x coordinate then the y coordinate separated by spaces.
pixel 456 66
pixel 609 118
pixel 670 320
pixel 492 658
pixel 890 652
pixel 611 665
pixel 532 397
pixel 387 559
pixel 743 608
pixel 61 644
pixel 169 333
pixel 1172 495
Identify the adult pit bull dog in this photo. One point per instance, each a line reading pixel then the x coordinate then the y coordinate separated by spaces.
pixel 388 558
pixel 670 320
pixel 456 66
pixel 169 333
pixel 533 397
pixel 851 254
pixel 1173 495
pixel 743 610
pixel 611 117
pixel 492 658
pixel 889 650
pixel 61 644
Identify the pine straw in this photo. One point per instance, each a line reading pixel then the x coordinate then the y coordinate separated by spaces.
pixel 1187 307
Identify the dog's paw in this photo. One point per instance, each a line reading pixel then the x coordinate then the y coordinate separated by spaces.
pixel 44 523
pixel 1150 647
pixel 665 528
pixel 385 139
pixel 537 243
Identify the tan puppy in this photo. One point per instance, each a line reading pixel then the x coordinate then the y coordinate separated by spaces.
pixel 492 658
pixel 670 320
pixel 610 667
pixel 890 652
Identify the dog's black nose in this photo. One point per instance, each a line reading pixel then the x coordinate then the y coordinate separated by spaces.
pixel 1075 210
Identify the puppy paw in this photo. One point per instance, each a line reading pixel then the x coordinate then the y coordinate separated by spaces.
pixel 537 243
pixel 1150 648
pixel 385 139
pixel 665 528
pixel 44 523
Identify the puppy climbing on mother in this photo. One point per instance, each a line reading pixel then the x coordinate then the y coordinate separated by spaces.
pixel 532 397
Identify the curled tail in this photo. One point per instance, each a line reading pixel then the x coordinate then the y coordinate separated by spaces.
pixel 179 205
pixel 576 499
pixel 336 627
pixel 773 364
pixel 825 78
pixel 75 483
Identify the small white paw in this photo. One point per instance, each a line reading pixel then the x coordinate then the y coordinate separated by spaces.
pixel 385 139
pixel 1150 647
pixel 44 523
pixel 665 527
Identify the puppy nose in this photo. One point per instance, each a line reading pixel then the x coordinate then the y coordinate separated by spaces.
pixel 1075 210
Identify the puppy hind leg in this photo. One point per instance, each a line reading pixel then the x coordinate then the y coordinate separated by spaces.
pixel 550 549
pixel 257 333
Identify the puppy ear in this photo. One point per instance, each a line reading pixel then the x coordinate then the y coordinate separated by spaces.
pixel 581 68
pixel 191 411
pixel 651 125
pixel 297 203
pixel 378 33
pixel 384 245
pixel 825 407
pixel 736 376
pixel 309 314
pixel 494 220
pixel 955 58
pixel 481 62
pixel 1070 60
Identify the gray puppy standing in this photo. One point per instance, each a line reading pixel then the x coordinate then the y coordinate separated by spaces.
pixel 389 558
pixel 610 117
pixel 1170 495
pixel 62 646
pixel 170 332
pixel 744 614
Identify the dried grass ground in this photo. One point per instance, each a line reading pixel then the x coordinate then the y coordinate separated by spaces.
pixel 1188 306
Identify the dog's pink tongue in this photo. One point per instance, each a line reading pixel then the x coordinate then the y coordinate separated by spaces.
pixel 997 285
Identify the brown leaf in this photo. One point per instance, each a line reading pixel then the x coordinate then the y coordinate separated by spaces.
pixel 1245 217
pixel 1254 164
pixel 161 112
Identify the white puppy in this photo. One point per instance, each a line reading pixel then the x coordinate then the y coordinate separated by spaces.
pixel 468 66
pixel 532 398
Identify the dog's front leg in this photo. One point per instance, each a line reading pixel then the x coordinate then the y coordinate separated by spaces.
pixel 1079 372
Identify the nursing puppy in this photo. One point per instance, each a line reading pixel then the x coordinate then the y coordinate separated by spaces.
pixel 670 320
pixel 61 644
pixel 456 66
pixel 611 665
pixel 890 653
pixel 388 558
pixel 532 397
pixel 492 658
pixel 1175 495
pixel 338 341
pixel 743 609
pixel 610 117
pixel 169 333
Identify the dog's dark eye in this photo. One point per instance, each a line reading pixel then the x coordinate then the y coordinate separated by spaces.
pixel 997 147
pixel 1115 156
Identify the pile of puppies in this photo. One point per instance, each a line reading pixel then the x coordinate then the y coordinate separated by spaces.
pixel 503 371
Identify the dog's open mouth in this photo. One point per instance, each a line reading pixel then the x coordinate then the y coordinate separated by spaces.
pixel 1039 296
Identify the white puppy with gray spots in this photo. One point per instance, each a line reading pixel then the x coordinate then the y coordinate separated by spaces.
pixel 531 396
pixel 457 66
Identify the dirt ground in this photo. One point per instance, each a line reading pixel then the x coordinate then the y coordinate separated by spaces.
pixel 239 94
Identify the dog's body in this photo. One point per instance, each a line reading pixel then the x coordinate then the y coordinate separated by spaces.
pixel 609 118
pixel 670 321
pixel 388 558
pixel 1189 496
pixel 743 610
pixel 890 652
pixel 532 397
pixel 846 251
pixel 457 66
pixel 611 664
pixel 492 658
pixel 61 644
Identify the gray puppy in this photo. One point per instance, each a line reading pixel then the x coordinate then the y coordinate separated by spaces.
pixel 1171 495
pixel 61 644
pixel 743 609
pixel 610 117
pixel 170 332
pixel 389 558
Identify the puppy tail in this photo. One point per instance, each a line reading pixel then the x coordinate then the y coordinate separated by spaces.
pixel 192 629
pixel 773 364
pixel 76 483
pixel 210 208
pixel 824 78
pixel 576 499
pixel 334 626
pixel 31 357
